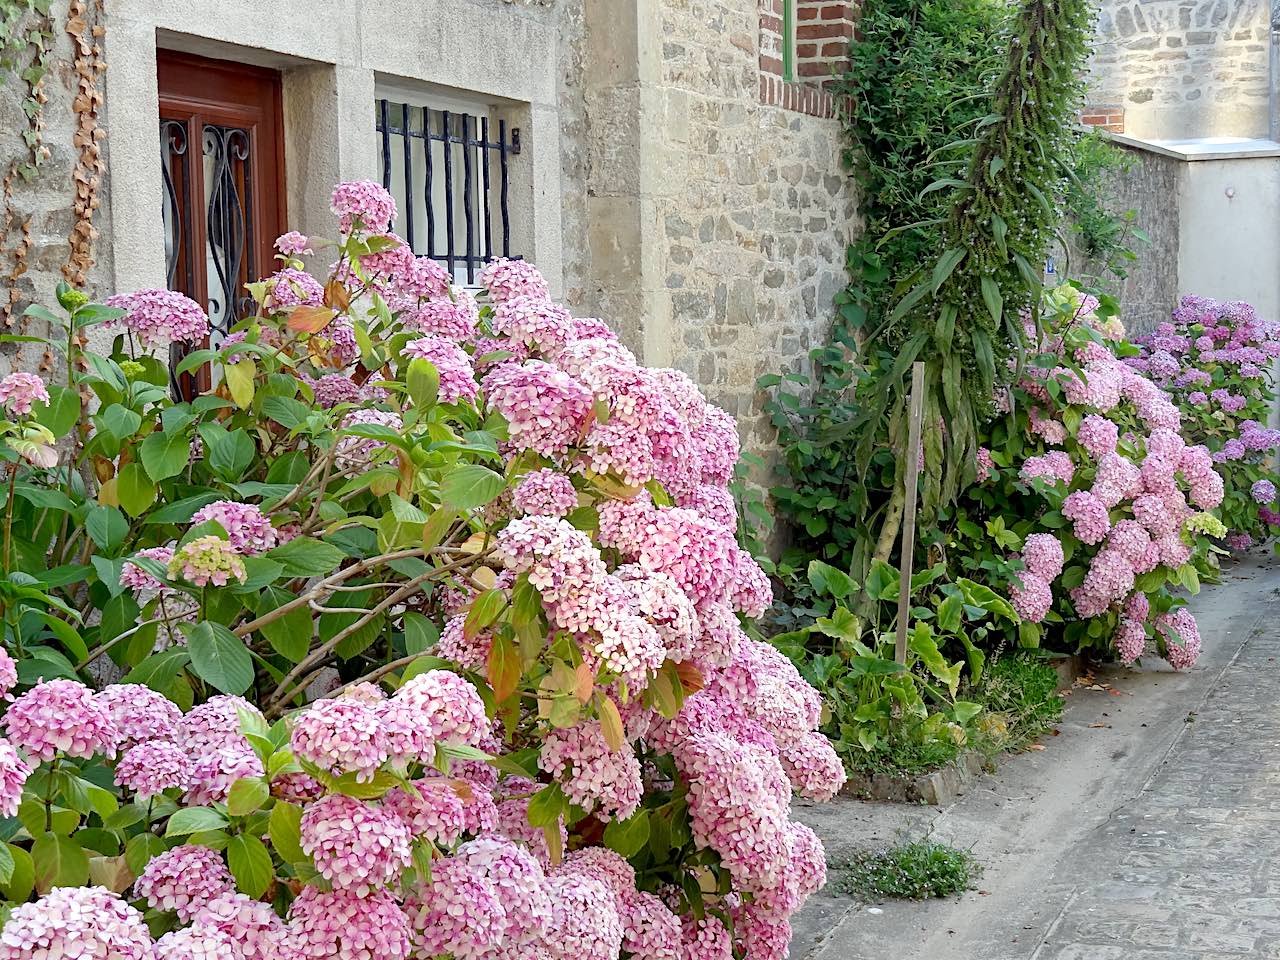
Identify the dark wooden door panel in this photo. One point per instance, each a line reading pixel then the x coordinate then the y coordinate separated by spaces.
pixel 222 154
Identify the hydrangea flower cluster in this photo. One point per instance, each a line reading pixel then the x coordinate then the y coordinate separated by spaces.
pixel 160 317
pixel 19 390
pixel 1111 480
pixel 1216 359
pixel 605 618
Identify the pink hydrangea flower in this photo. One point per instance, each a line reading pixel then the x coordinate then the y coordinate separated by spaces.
pixel 532 320
pixel 356 846
pixel 1263 492
pixel 812 766
pixel 183 880
pixel 214 773
pixel 292 287
pixel 195 943
pixel 88 922
pixel 293 244
pixel 8 673
pixel 584 912
pixel 152 768
pixel 139 713
pixel 213 725
pixel 18 391
pixel 508 279
pixel 335 388
pixel 248 530
pixel 160 317
pixel 206 560
pixel 363 203
pixel 1098 435
pixel 593 776
pixel 60 717
pixel 437 705
pixel 251 925
pixel 453 316
pixel 546 409
pixel 1042 555
pixel 14 772
pixel 457 378
pixel 133 577
pixel 1089 516
pixel 1130 640
pixel 1031 598
pixel 342 925
pixel 459 913
pixel 339 736
pixel 547 493
pixel 1181 636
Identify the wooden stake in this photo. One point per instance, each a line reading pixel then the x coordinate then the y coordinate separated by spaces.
pixel 912 470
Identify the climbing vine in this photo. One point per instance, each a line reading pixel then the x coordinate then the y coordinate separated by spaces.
pixel 89 66
pixel 963 314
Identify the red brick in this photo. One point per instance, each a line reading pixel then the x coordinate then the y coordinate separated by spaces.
pixel 770 24
pixel 820 31
pixel 807 50
pixel 838 11
pixel 807 13
pixel 771 65
pixel 837 50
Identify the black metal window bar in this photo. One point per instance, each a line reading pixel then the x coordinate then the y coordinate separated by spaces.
pixel 426 156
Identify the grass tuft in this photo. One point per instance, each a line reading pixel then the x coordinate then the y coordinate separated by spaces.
pixel 915 870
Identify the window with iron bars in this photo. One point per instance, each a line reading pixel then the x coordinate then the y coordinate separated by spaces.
pixel 449 173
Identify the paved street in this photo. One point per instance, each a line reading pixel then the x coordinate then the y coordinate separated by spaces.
pixel 1146 831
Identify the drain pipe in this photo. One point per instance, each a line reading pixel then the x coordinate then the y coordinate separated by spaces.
pixel 1273 88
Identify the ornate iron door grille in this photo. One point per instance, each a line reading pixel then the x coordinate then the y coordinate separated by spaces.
pixel 222 172
pixel 425 148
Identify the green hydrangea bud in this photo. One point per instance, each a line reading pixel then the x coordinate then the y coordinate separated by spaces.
pixel 132 369
pixel 72 299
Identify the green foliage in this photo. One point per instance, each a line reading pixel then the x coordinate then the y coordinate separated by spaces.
pixel 879 708
pixel 915 870
pixel 920 78
pixel 1104 234
pixel 1019 696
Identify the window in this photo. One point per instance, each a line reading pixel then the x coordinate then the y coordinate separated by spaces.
pixel 449 172
pixel 222 165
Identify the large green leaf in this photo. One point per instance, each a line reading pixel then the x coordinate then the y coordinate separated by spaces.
pixel 135 489
pixel 285 831
pixel 189 820
pixel 219 657
pixel 290 634
pixel 165 454
pixel 471 486
pixel 306 557
pixel 59 862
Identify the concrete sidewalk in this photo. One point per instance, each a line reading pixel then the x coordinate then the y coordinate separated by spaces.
pixel 1145 831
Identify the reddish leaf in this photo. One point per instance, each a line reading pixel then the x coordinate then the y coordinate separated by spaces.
pixel 611 723
pixel 584 682
pixel 310 319
pixel 504 668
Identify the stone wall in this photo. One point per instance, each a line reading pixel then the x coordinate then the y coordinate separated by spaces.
pixel 719 223
pixel 39 217
pixel 1151 188
pixel 1183 68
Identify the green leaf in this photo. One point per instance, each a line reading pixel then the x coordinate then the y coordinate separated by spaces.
pixel 423 382
pixel 628 837
pixel 181 511
pixel 951 614
pixel 547 806
pixel 420 634
pixel 286 411
pixel 250 865
pixel 827 579
pixel 107 527
pixel 471 486
pixel 7 864
pixel 61 413
pixel 59 862
pixel 246 796
pixel 946 266
pixel 189 820
pixel 19 886
pixel 306 557
pixel 219 657
pixel 159 670
pixel 239 378
pixel 141 850
pixel 228 452
pixel 285 831
pixel 135 489
pixel 485 609
pixel 165 454
pixel 289 635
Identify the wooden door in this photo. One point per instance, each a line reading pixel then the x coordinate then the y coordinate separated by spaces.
pixel 222 160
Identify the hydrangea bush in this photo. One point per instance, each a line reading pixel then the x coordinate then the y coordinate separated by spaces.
pixel 1217 360
pixel 425 627
pixel 1089 502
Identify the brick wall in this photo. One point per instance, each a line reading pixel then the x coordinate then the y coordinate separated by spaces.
pixel 823 30
pixel 1108 116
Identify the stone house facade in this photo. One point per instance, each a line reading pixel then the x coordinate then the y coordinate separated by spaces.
pixel 667 177
pixel 1173 69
